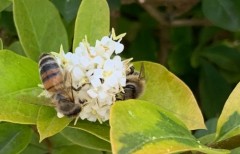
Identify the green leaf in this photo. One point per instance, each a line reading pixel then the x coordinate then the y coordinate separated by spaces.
pixel 35 147
pixel 207 139
pixel 207 34
pixel 142 127
pixel 14 138
pixel 231 77
pixel 17 48
pixel 93 21
pixel 39 27
pixel 179 59
pixel 74 149
pixel 48 124
pixel 59 140
pixel 229 123
pixel 114 5
pixel 99 130
pixel 223 13
pixel 211 128
pixel 223 56
pixel 214 90
pixel 68 9
pixel 85 139
pixel 61 145
pixel 165 89
pixel 142 43
pixel 4 4
pixel 235 151
pixel 229 143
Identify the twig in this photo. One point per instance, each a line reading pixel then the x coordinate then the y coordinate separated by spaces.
pixel 158 16
pixel 190 22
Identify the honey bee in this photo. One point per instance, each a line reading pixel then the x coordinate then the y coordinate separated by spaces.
pixel 135 84
pixel 58 84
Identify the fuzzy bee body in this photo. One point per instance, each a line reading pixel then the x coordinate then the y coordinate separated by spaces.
pixel 58 83
pixel 135 84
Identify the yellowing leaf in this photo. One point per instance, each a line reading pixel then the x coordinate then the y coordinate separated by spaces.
pixel 145 128
pixel 229 120
pixel 167 90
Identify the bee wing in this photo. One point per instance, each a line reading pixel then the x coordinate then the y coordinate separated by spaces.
pixel 68 84
pixel 67 80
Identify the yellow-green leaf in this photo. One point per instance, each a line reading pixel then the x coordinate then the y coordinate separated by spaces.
pixel 93 21
pixel 167 90
pixel 48 124
pixel 229 120
pixel 21 106
pixel 18 88
pixel 17 72
pixel 142 127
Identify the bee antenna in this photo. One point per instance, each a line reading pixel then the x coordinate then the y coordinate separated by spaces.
pixel 142 72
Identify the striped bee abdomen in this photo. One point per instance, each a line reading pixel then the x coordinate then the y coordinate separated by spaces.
pixel 50 72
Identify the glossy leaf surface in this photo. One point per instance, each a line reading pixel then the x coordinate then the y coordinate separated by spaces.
pixel 229 123
pixel 149 128
pixel 85 139
pixel 93 20
pixel 48 124
pixel 167 90
pixel 39 27
pixel 95 128
pixel 18 88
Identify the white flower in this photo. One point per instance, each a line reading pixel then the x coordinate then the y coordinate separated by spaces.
pixel 119 47
pixel 101 73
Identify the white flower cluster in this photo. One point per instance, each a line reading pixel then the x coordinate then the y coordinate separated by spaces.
pixel 99 72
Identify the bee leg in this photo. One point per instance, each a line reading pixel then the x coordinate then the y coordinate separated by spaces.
pixel 130 92
pixel 76 89
pixel 79 88
pixel 131 70
pixel 82 101
pixel 119 96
